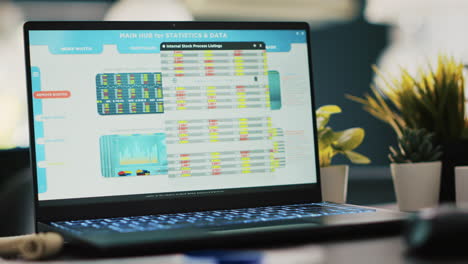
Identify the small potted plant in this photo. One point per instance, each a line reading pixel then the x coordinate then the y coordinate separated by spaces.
pixel 416 170
pixel 434 99
pixel 334 179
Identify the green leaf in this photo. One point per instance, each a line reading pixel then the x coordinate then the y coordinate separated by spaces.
pixel 322 121
pixel 323 115
pixel 357 158
pixel 326 137
pixel 349 139
pixel 325 156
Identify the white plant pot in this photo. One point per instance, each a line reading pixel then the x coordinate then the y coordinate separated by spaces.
pixel 334 183
pixel 417 185
pixel 461 186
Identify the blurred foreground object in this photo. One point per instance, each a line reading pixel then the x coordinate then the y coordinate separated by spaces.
pixel 442 231
pixel 31 247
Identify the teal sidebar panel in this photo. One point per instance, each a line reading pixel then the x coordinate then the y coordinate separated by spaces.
pixel 38 131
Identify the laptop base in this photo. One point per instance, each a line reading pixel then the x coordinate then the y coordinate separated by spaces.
pixel 307 229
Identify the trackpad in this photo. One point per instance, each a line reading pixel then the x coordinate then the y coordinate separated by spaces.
pixel 263 228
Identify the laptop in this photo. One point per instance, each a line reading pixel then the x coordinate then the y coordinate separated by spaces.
pixel 178 135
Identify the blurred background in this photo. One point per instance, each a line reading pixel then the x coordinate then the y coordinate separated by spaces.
pixel 348 36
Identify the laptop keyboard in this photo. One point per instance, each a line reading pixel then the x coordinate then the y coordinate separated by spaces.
pixel 207 218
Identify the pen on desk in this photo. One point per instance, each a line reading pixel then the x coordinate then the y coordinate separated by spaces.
pixel 31 247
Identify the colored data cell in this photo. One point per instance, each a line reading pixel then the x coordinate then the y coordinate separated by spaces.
pixel 129 93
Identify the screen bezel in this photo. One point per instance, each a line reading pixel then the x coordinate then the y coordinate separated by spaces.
pixel 228 198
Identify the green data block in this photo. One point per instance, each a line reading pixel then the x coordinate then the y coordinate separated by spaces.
pixel 275 90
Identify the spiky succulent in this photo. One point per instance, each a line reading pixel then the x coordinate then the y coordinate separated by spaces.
pixel 415 145
pixel 434 99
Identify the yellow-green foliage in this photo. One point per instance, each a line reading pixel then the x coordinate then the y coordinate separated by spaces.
pixel 434 100
pixel 343 142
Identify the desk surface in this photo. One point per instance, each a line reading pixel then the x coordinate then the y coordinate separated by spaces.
pixel 381 250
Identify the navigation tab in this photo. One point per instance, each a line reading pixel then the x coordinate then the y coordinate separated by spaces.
pixel 212 46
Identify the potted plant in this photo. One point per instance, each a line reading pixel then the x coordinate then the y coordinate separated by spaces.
pixel 433 100
pixel 416 170
pixel 334 179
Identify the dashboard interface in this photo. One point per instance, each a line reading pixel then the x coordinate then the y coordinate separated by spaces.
pixel 144 112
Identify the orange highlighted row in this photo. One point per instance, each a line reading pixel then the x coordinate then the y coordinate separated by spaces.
pixel 52 94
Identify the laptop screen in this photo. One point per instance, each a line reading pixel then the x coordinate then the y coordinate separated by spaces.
pixel 148 113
